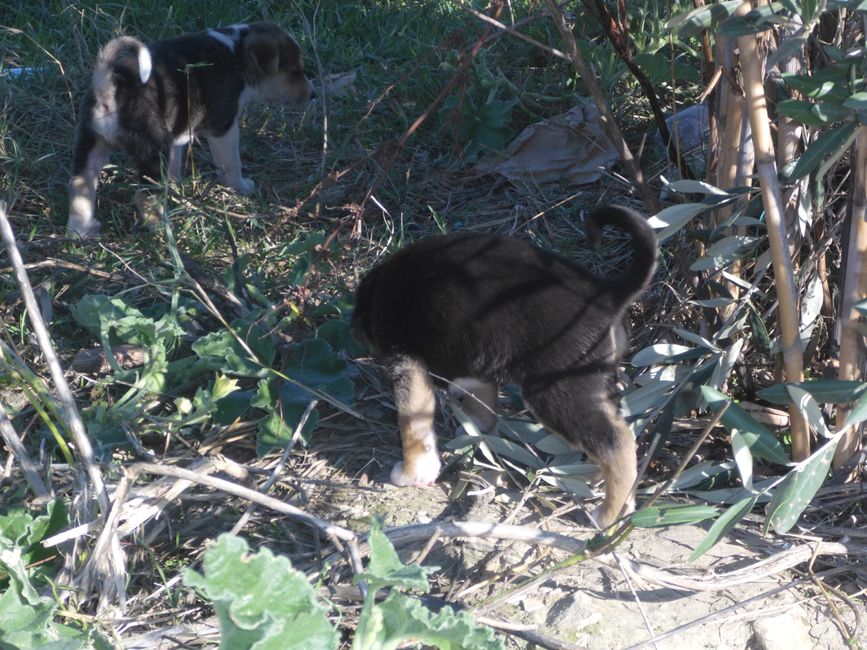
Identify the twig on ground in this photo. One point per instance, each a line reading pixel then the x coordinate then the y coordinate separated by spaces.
pixel 336 533
pixel 30 469
pixel 278 468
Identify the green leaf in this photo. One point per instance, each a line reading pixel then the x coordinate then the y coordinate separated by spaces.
pixel 675 217
pixel 722 525
pixel 824 391
pixel 694 22
pixel 385 568
pixel 400 618
pixel 658 352
pixel 262 603
pixel 807 405
pixel 858 101
pixel 672 515
pixel 757 437
pixel 235 359
pixel 726 251
pixel 761 19
pixel 813 113
pixel 758 331
pixel 799 487
pixel 315 370
pixel 833 142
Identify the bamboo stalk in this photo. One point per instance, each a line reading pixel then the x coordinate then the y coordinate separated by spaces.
pixel 852 351
pixel 606 117
pixel 787 293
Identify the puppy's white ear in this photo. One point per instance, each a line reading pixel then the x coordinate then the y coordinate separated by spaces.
pixel 263 54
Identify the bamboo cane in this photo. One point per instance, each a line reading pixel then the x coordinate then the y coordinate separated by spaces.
pixel 787 294
pixel 854 289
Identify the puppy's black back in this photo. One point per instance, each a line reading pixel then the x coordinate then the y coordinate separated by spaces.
pixel 497 308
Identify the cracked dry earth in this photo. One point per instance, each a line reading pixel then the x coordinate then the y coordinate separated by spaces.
pixel 591 605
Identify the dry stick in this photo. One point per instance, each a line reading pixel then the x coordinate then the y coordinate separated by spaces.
pixel 458 76
pixel 278 468
pixel 67 401
pixel 854 289
pixel 707 618
pixel 606 117
pixel 616 31
pixel 514 32
pixel 787 292
pixel 337 533
pixel 19 452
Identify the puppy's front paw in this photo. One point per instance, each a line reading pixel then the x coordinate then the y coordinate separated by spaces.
pixel 244 186
pixel 85 227
pixel 424 473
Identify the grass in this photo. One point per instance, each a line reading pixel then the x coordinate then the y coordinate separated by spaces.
pixel 313 167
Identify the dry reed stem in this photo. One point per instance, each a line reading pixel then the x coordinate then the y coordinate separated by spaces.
pixel 787 292
pixel 19 452
pixel 854 289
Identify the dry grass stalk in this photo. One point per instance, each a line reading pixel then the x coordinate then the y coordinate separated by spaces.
pixel 606 117
pixel 30 469
pixel 787 292
pixel 730 167
pixel 852 352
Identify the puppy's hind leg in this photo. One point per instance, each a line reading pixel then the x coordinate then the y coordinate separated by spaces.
pixel 478 399
pixel 415 400
pixel 590 421
pixel 225 150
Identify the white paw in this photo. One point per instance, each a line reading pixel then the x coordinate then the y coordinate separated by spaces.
pixel 427 468
pixel 243 186
pixel 85 226
pixel 625 511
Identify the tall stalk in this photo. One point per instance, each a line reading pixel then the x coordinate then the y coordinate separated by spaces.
pixel 787 294
pixel 852 351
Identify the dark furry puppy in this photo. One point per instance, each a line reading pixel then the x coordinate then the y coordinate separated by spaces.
pixel 150 100
pixel 482 310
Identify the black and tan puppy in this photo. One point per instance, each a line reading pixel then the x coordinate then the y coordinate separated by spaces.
pixel 151 100
pixel 483 310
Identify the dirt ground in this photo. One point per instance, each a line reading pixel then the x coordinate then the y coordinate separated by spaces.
pixel 593 605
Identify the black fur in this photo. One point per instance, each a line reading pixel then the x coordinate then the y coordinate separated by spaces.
pixel 501 310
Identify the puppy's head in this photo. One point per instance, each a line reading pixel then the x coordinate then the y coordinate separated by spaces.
pixel 275 66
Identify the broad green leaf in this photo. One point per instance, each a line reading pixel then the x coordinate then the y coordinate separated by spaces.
pixel 828 83
pixel 688 186
pixel 400 618
pixel 261 601
pixel 807 405
pixel 672 515
pixel 236 360
pixel 725 252
pixel 859 411
pixel 832 142
pixel 858 101
pixel 743 459
pixel 724 523
pixel 694 22
pixel 758 331
pixel 500 446
pixel 385 568
pixel 656 353
pixel 692 337
pixel 834 391
pixel 757 437
pixel 675 217
pixel 554 444
pixel 758 20
pixel 799 487
pixel 578 487
pixel 726 363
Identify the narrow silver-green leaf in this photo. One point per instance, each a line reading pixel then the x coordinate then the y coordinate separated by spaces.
pixel 758 438
pixel 672 515
pixel 830 142
pixel 724 523
pixel 799 487
pixel 834 391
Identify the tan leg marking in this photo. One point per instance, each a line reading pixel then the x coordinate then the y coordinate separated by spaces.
pixel 480 404
pixel 415 400
pixel 619 468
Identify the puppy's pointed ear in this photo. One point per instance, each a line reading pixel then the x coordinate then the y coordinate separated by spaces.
pixel 263 53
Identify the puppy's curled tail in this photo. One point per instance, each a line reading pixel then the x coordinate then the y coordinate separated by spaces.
pixel 631 282
pixel 112 54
